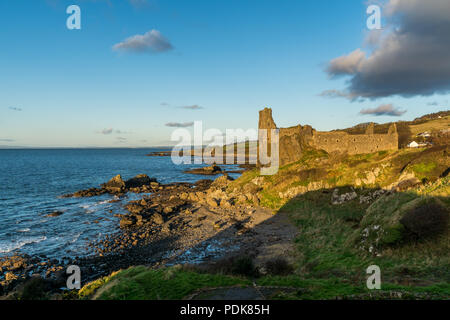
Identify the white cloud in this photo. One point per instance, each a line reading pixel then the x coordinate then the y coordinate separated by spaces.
pixel 150 42
pixel 348 64
pixel 384 110
pixel 193 107
pixel 410 58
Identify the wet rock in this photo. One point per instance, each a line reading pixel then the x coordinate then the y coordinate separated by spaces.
pixel 115 185
pixel 13 263
pixel 92 192
pixel 139 181
pixel 154 184
pixel 211 170
pixel 126 221
pixel 168 210
pixel 55 214
pixel 160 154
pixel 134 208
pixel 9 276
pixel 157 218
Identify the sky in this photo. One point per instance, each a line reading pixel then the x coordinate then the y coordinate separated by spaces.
pixel 139 69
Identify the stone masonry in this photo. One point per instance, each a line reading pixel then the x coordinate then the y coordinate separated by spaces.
pixel 294 140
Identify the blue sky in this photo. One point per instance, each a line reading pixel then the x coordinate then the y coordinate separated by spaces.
pixel 67 88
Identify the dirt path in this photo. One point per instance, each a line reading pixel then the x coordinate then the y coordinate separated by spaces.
pixel 240 293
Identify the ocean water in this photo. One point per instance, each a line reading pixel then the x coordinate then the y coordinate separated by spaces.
pixel 32 182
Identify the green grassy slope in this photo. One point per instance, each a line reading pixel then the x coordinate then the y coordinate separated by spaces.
pixel 347 221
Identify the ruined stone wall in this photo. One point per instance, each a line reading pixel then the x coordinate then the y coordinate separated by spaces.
pixel 293 140
pixel 354 144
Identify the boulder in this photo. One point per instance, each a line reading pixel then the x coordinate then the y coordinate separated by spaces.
pixel 154 184
pixel 211 170
pixel 259 181
pixel 222 181
pixel 9 276
pixel 115 185
pixel 214 169
pixel 55 214
pixel 212 202
pixel 139 181
pixel 168 209
pixel 226 203
pixel 126 221
pixel 157 218
pixel 336 198
pixel 134 208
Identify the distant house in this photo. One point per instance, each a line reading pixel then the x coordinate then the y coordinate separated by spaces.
pixel 425 134
pixel 419 145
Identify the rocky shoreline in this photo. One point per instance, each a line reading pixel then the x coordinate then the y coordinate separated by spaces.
pixel 176 223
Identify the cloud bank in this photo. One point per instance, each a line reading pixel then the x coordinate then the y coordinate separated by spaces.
pixel 179 124
pixel 411 57
pixel 109 131
pixel 150 42
pixel 384 110
pixel 15 109
pixel 193 107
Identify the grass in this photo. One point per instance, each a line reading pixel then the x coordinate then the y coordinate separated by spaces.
pixel 326 245
pixel 325 242
pixel 142 283
pixel 433 125
pixel 335 287
pixel 331 262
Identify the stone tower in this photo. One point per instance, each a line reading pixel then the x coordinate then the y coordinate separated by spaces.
pixel 265 122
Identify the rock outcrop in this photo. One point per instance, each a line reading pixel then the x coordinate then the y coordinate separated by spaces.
pixel 209 171
pixel 117 186
pixel 139 181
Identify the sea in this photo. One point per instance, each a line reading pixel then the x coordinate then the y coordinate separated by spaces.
pixel 32 182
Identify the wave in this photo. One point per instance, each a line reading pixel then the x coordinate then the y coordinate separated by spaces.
pixel 76 237
pixel 8 246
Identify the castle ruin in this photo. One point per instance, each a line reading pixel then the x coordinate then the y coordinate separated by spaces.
pixel 293 140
